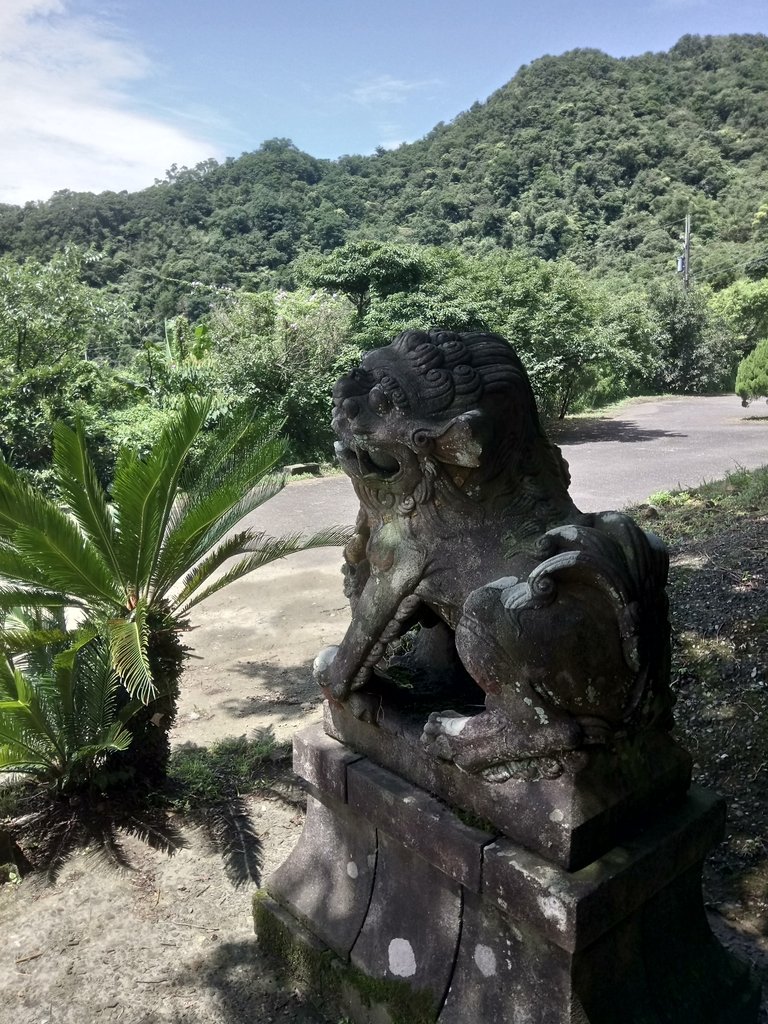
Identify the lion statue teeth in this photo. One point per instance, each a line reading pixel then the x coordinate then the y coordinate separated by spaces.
pixel 557 619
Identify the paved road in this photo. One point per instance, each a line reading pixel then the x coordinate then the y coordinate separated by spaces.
pixel 648 445
pixel 661 444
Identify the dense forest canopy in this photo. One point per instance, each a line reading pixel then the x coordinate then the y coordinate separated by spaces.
pixel 583 155
pixel 553 211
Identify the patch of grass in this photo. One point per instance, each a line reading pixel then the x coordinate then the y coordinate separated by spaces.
pixel 199 776
pixel 208 787
pixel 703 656
pixel 205 786
pixel 708 509
pixel 743 489
pixel 660 498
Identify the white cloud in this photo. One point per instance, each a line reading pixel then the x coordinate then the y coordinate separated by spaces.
pixel 386 89
pixel 65 117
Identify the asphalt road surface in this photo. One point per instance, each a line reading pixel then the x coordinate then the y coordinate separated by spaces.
pixel 648 445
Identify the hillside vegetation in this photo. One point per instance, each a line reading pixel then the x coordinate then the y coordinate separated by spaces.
pixel 552 213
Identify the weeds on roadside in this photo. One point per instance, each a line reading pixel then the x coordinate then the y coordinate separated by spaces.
pixel 703 510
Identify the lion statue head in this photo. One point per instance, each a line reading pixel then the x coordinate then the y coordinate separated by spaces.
pixel 437 409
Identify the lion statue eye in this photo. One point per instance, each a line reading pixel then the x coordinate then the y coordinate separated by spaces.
pixel 379 401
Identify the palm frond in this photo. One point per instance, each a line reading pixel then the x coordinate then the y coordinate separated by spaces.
pixel 58 727
pixel 202 524
pixel 43 547
pixel 14 493
pixel 224 448
pixel 8 684
pixel 128 642
pixel 84 495
pixel 94 703
pixel 76 640
pixel 59 554
pixel 47 552
pixel 235 544
pixel 27 738
pixel 33 638
pixel 263 551
pixel 25 597
pixel 115 738
pixel 144 492
pixel 21 640
pixel 33 712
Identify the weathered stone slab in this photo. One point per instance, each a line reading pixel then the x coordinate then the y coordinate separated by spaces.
pixel 411 932
pixel 506 974
pixel 572 909
pixel 322 761
pixel 418 821
pixel 572 820
pixel 327 880
pixel 662 965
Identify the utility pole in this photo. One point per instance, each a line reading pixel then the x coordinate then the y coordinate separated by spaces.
pixel 684 261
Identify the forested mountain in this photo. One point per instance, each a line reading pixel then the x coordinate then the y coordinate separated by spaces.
pixel 584 156
pixel 552 213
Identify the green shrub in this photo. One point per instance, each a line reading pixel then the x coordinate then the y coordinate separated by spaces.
pixel 752 375
pixel 60 727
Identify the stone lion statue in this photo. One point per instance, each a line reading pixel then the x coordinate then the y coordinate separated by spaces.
pixel 467 528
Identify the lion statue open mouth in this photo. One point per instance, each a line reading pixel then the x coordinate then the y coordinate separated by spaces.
pixel 466 526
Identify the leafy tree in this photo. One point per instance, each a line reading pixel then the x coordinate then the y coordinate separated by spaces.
pixel 697 349
pixel 281 352
pixel 744 306
pixel 752 375
pixel 362 270
pixel 548 311
pixel 136 569
pixel 32 401
pixel 629 332
pixel 47 313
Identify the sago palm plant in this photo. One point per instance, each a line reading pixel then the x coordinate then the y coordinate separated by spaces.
pixel 135 566
pixel 60 726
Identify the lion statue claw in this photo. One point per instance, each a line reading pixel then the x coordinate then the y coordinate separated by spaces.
pixel 557 619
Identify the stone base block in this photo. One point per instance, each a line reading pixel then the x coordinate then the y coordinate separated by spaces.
pixel 570 820
pixel 395 911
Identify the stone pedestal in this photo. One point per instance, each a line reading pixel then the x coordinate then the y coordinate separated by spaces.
pixel 395 908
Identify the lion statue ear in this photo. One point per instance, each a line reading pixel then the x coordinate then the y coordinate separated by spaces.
pixel 458 444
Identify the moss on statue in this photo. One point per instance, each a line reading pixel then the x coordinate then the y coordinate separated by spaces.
pixel 328 980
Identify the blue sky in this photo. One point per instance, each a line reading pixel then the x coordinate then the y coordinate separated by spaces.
pixel 98 94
